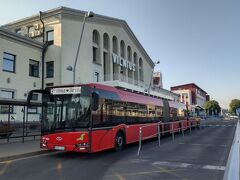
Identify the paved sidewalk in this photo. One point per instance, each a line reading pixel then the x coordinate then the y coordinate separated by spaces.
pixel 9 151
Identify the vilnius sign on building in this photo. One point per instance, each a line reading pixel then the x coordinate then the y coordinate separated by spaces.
pixel 123 62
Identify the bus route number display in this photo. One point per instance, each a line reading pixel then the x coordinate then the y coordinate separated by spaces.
pixel 66 90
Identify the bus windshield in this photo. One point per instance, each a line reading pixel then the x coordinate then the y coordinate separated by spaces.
pixel 66 112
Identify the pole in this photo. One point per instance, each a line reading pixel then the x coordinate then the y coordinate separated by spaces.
pixel 190 127
pixel 44 48
pixel 149 87
pixel 140 141
pixel 8 126
pixel 23 133
pixel 27 126
pixel 182 128
pixel 79 44
pixel 172 132
pixel 159 135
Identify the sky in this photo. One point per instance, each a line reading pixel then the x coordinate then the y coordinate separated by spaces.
pixel 196 41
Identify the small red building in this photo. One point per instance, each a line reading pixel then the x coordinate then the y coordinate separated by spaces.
pixel 193 96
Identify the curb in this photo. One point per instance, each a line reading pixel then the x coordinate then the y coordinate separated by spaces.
pixel 232 169
pixel 24 155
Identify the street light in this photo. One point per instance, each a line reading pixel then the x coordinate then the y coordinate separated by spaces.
pixel 86 15
pixel 155 63
pixel 187 105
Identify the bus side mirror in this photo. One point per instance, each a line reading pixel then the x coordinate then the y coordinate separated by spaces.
pixel 95 101
pixel 43 92
pixel 29 98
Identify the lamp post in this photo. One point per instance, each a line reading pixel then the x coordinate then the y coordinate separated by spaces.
pixel 150 83
pixel 87 15
pixel 188 114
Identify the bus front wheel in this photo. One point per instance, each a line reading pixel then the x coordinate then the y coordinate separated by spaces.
pixel 119 141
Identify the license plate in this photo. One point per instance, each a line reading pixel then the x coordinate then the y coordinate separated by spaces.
pixel 61 148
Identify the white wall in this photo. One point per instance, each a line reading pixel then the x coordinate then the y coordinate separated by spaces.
pixel 20 81
pixel 71 29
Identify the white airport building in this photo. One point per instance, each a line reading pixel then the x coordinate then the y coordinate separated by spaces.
pixel 42 50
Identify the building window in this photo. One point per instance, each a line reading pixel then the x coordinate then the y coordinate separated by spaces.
pixel 95 47
pixel 115 44
pixel 9 62
pixel 33 68
pixel 95 50
pixel 115 51
pixel 50 69
pixel 30 29
pixel 136 68
pixel 140 69
pixel 96 37
pixel 105 65
pixel 50 37
pixel 6 94
pixel 122 49
pixel 129 53
pixel 105 41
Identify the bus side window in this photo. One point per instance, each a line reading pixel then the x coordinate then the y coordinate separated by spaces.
pixel 97 117
pixel 143 113
pixel 173 114
pixel 159 113
pixel 118 112
pixel 151 113
pixel 132 113
pixel 181 114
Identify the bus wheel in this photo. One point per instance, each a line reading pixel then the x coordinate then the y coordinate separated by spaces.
pixel 119 141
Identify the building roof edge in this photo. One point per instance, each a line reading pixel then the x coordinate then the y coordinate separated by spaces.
pixel 63 9
pixel 188 85
pixel 20 38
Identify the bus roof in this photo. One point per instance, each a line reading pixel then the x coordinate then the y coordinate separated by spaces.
pixel 129 96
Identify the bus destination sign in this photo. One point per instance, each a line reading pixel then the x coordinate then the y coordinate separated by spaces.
pixel 66 90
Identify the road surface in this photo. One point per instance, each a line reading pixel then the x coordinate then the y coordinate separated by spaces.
pixel 201 155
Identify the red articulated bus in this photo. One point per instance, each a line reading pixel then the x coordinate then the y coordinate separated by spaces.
pixel 96 117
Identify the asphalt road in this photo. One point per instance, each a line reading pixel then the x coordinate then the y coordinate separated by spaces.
pixel 201 155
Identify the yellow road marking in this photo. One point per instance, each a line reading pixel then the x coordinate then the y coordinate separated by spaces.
pixel 59 166
pixel 170 172
pixel 18 159
pixel 119 176
pixel 7 163
pixel 59 170
pixel 142 173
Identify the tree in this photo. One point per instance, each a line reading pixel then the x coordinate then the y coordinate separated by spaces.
pixel 235 103
pixel 212 107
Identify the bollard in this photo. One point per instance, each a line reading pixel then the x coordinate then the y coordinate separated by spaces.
pixel 172 133
pixel 23 125
pixel 140 141
pixel 190 128
pixel 159 135
pixel 8 126
pixel 182 128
